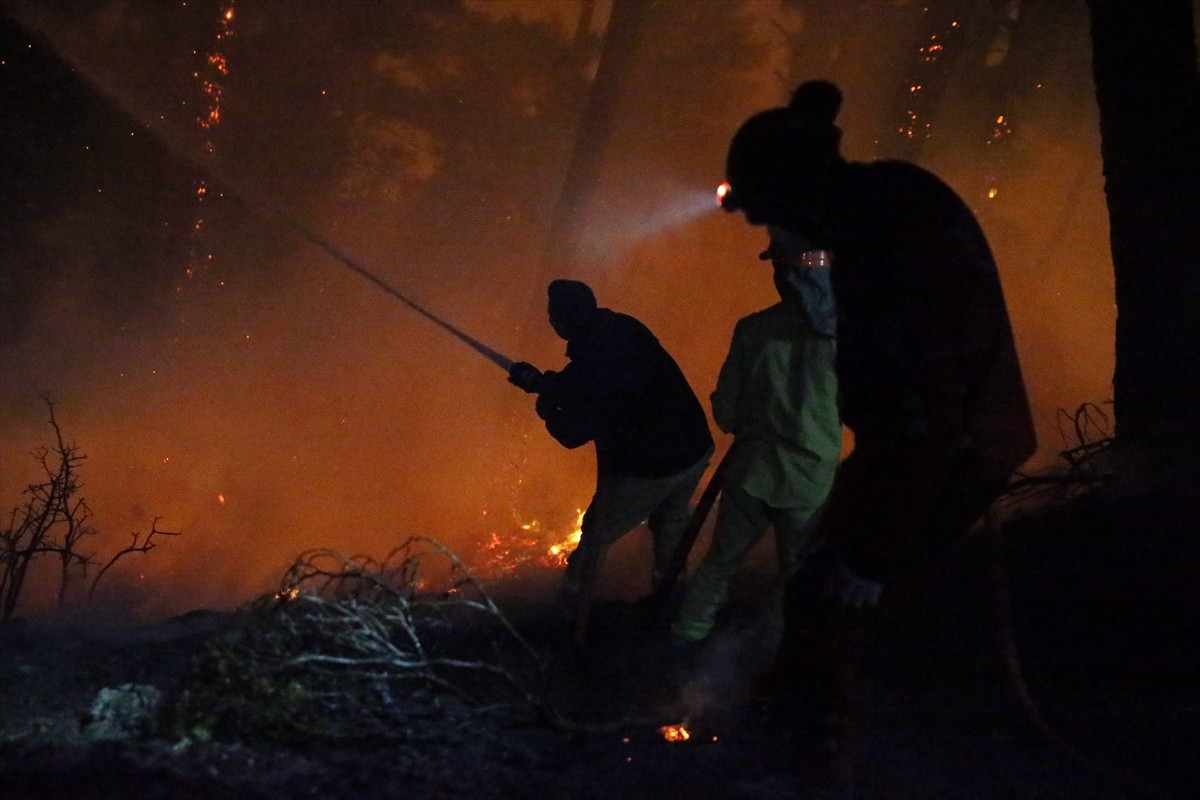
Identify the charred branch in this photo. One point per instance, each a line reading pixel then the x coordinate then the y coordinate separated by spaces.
pixel 1087 462
pixel 355 647
pixel 142 543
pixel 52 519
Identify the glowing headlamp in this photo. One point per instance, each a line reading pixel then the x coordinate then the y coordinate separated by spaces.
pixel 725 197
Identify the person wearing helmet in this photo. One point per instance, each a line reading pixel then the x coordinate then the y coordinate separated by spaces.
pixel 928 378
pixel 623 391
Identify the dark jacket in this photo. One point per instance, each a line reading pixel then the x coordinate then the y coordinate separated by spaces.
pixel 623 391
pixel 927 370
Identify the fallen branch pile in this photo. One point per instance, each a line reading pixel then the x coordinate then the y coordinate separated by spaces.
pixel 356 648
pixel 353 648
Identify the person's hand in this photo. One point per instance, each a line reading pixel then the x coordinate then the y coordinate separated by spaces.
pixel 525 377
pixel 851 591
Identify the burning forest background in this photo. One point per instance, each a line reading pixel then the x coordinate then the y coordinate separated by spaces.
pixel 232 381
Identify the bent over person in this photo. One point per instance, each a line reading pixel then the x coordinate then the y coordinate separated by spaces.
pixel 929 383
pixel 624 392
pixel 777 394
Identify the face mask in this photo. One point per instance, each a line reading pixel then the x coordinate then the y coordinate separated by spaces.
pixel 802 277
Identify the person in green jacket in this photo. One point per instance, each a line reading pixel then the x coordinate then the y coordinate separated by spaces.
pixel 777 394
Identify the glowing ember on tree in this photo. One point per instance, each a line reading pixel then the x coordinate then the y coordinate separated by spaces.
pixel 210 78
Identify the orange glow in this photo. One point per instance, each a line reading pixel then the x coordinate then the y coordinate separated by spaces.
pixel 675 733
pixel 502 554
pixel 430 435
pixel 556 554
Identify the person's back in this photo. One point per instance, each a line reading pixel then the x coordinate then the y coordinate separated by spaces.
pixel 624 392
pixel 926 346
pixel 777 393
pixel 929 380
pixel 643 416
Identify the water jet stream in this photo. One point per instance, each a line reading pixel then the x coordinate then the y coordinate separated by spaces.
pixel 242 194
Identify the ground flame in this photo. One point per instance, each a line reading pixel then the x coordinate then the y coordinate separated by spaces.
pixel 502 553
pixel 556 554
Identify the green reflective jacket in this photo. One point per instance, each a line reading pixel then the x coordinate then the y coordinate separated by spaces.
pixel 777 394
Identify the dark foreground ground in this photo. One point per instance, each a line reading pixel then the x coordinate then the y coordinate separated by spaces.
pixel 1105 625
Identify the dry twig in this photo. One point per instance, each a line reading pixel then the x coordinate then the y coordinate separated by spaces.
pixel 353 647
pixel 142 543
pixel 1085 462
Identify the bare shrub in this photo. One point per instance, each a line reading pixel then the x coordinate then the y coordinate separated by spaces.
pixel 52 522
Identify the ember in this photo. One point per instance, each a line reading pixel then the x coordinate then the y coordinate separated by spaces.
pixel 503 554
pixel 675 733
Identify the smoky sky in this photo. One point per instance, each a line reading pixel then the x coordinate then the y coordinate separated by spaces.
pixel 234 382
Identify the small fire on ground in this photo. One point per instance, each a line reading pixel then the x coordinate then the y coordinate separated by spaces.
pixel 531 544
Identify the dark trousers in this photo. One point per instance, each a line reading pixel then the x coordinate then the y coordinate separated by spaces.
pixel 816 681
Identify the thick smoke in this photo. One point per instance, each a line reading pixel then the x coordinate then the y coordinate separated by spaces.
pixel 278 402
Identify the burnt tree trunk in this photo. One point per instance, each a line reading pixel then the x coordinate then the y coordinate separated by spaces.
pixel 1148 93
pixel 561 254
pixel 614 78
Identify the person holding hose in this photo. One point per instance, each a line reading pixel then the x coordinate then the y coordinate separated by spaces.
pixel 623 391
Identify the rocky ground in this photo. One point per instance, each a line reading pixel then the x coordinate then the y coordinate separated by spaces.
pixel 1103 626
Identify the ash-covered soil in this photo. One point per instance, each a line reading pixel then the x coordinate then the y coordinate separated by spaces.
pixel 1104 626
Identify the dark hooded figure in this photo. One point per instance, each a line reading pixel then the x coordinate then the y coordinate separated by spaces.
pixel 623 391
pixel 928 378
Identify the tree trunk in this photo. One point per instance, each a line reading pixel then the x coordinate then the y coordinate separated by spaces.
pixel 1148 93
pixel 613 79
